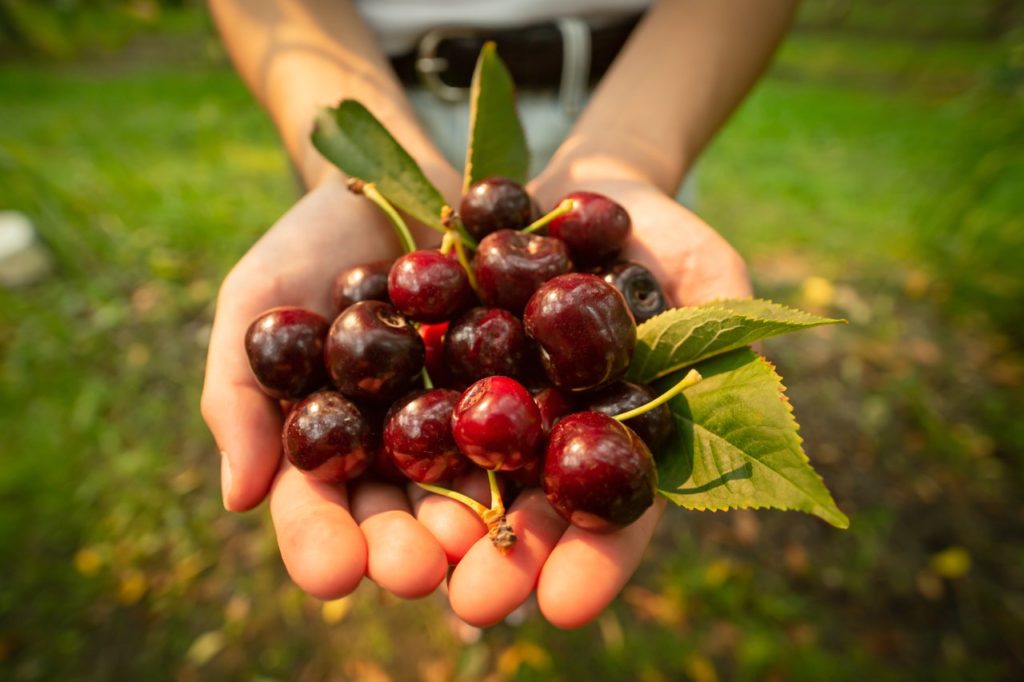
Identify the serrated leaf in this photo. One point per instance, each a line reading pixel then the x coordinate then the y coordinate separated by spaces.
pixel 736 444
pixel 497 143
pixel 682 337
pixel 352 138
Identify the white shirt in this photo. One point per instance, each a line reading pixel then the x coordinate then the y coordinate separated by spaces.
pixel 400 23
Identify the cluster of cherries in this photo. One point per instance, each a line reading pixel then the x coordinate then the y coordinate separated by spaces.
pixel 513 362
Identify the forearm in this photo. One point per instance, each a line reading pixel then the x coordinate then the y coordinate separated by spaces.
pixel 300 55
pixel 685 69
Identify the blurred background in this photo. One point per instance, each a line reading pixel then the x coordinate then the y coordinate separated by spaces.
pixel 877 174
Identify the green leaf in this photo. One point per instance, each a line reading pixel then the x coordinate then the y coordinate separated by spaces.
pixel 497 144
pixel 736 444
pixel 351 138
pixel 684 336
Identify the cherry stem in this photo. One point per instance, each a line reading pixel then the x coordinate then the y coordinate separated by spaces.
pixel 427 383
pixel 370 191
pixel 460 253
pixel 481 510
pixel 448 241
pixel 450 220
pixel 692 378
pixel 557 212
pixel 498 528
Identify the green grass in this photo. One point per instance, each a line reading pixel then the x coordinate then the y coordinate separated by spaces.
pixel 854 161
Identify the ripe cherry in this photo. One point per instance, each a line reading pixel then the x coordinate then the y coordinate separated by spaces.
pixel 585 331
pixel 497 424
pixel 485 342
pixel 598 474
pixel 286 350
pixel 418 436
pixel 653 426
pixel 495 203
pixel 433 336
pixel 328 437
pixel 372 352
pixel 643 294
pixel 511 265
pixel 594 229
pixel 553 405
pixel 367 282
pixel 428 286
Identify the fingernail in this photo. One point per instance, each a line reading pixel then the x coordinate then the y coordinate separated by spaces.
pixel 225 480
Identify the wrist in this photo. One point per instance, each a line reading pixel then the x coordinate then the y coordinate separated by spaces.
pixel 616 155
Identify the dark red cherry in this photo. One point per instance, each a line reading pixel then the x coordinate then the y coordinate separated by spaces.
pixel 493 204
pixel 286 350
pixel 594 229
pixel 653 426
pixel 367 282
pixel 585 331
pixel 433 336
pixel 428 286
pixel 598 474
pixel 372 352
pixel 497 424
pixel 485 342
pixel 643 294
pixel 553 405
pixel 327 437
pixel 511 265
pixel 418 436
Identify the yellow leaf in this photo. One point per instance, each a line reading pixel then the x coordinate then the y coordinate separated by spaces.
pixel 700 669
pixel 953 562
pixel 818 291
pixel 335 611
pixel 88 561
pixel 132 586
pixel 206 646
pixel 522 653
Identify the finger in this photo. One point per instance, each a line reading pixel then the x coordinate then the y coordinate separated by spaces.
pixel 586 570
pixel 455 525
pixel 245 423
pixel 321 544
pixel 487 586
pixel 403 557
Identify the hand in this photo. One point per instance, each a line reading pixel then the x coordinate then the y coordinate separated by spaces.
pixel 329 536
pixel 577 573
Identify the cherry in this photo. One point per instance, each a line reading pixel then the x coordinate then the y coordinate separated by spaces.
pixel 585 331
pixel 428 286
pixel 418 436
pixel 598 474
pixel 485 342
pixel 643 294
pixel 495 203
pixel 433 336
pixel 328 437
pixel 553 405
pixel 286 349
pixel 594 228
pixel 653 426
pixel 497 424
pixel 372 352
pixel 511 265
pixel 367 282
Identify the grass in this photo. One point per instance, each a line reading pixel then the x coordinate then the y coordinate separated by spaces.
pixel 869 178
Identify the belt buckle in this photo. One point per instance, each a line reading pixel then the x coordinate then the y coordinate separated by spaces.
pixel 430 66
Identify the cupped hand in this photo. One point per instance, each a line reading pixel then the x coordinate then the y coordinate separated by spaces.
pixel 577 573
pixel 329 536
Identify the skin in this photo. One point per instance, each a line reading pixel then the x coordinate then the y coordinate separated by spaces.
pixel 644 127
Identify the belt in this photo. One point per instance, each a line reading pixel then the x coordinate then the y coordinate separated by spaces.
pixel 535 55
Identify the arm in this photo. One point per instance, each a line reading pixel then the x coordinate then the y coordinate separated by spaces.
pixel 685 69
pixel 298 56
